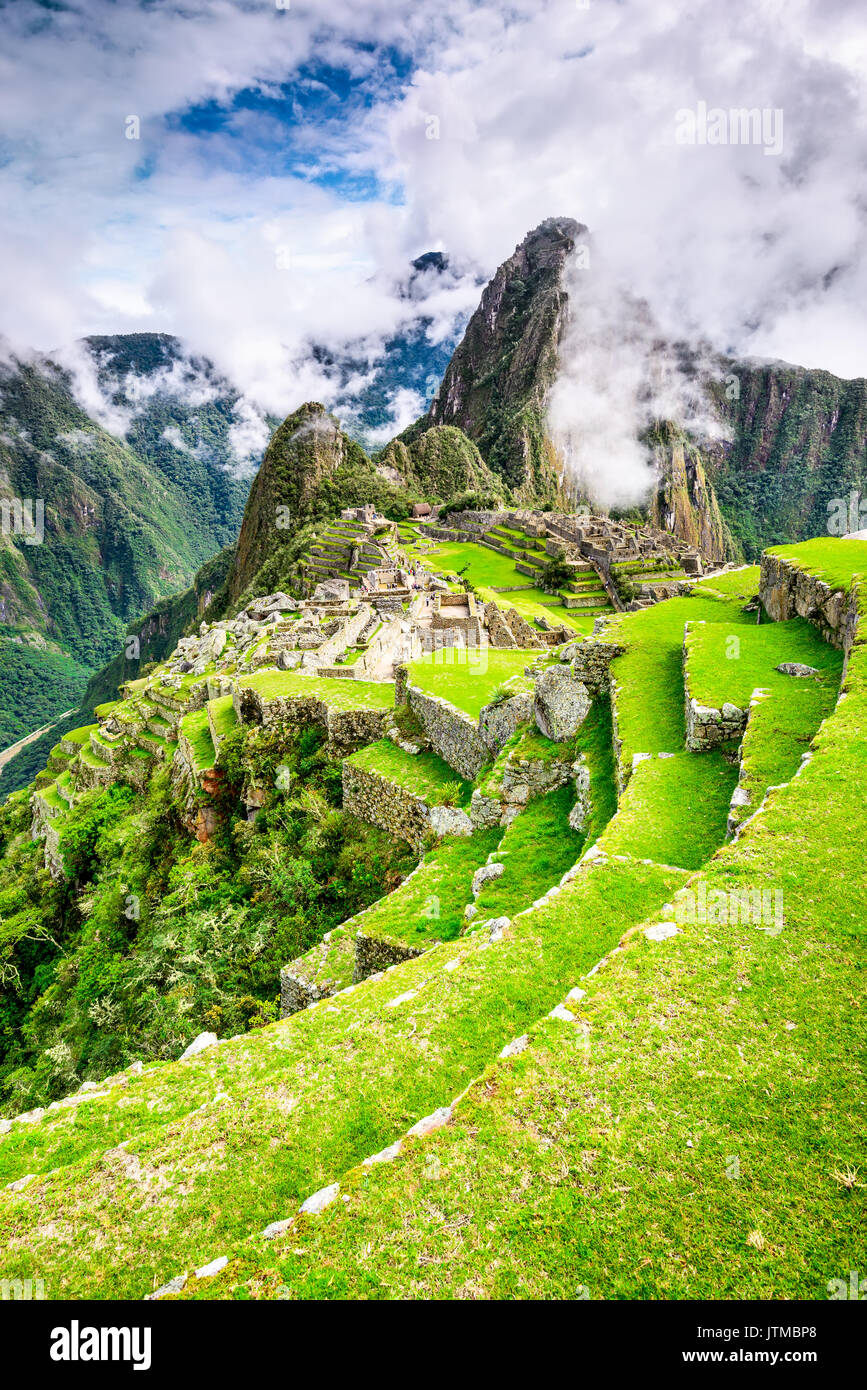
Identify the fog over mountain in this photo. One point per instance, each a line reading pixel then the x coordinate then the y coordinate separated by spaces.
pixel 287 165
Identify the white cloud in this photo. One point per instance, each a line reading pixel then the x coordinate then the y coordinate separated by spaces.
pixel 543 108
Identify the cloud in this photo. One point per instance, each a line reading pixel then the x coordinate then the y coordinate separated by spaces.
pixel 291 164
pixel 617 377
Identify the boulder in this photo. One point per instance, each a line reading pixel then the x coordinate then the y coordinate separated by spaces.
pixel 562 703
pixel 484 874
pixel 331 590
pixel 198 1045
pixel 211 646
pixel 449 820
pixel 796 668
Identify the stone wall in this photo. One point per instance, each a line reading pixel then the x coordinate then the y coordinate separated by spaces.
pixel 373 953
pixel 497 723
pixel 707 727
pixel 591 663
pixel 786 591
pixel 382 802
pixel 319 973
pixel 526 778
pixel 477 523
pixel 346 729
pixel 451 733
pixel 523 633
pixel 499 632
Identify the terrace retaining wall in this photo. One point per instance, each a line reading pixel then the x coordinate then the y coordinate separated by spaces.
pixel 347 730
pixel 786 591
pixel 452 734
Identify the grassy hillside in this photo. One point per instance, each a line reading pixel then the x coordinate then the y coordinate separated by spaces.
pixel 625 1094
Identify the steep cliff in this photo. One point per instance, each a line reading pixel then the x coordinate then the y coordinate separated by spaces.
pixel 684 502
pixel 796 465
pixel 496 384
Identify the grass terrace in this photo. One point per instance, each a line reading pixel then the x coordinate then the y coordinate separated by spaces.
pixel 339 694
pixel 80 736
pixel 537 849
pixel 836 561
pixel 430 905
pixel 194 727
pixel 729 665
pixel 535 603
pixel 724 1042
pixel 674 810
pixel 423 774
pixel 468 677
pixel 223 715
pixel 346 1104
pixel 650 701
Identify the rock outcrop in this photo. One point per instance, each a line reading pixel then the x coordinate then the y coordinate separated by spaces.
pixel 496 385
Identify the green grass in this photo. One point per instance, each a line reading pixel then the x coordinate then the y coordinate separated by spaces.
pixel 87 756
pixel 778 733
pixel 533 745
pixel 600 1156
pixel 535 603
pixel 650 702
pixel 484 568
pixel 430 905
pixel 194 727
pixel 223 715
pixel 423 774
pixel 52 797
pixel 674 810
pixel 729 665
pixel 307 1099
pixel 154 740
pixel 537 849
pixel 81 735
pixel 740 584
pixel 699 1135
pixel 468 678
pixel 836 561
pixel 339 694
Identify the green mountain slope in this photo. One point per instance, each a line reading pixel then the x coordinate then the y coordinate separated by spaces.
pixel 602 1038
pixel 125 523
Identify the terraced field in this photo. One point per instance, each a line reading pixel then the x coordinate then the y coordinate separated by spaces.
pixel 608 1079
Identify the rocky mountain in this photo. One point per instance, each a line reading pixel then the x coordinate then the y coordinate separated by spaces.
pixel 441 462
pixel 796 459
pixel 496 385
pixel 310 470
pixel 779 448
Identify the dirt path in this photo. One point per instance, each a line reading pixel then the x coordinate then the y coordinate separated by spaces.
pixel 9 753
